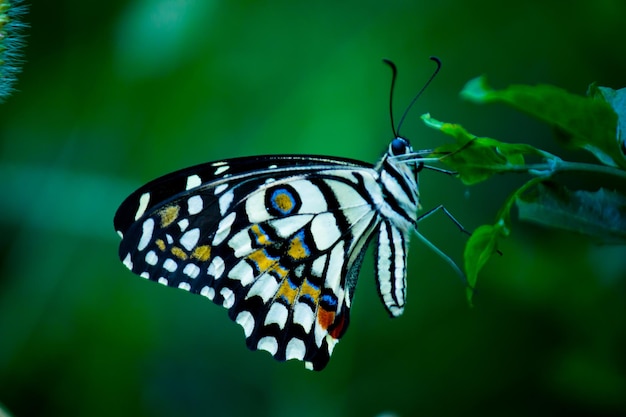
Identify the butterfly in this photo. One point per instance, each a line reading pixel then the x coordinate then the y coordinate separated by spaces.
pixel 279 240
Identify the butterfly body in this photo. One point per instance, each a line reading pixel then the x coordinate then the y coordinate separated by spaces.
pixel 278 240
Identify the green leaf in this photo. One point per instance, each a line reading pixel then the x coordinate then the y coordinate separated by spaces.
pixel 484 241
pixel 479 248
pixel 600 214
pixel 584 122
pixel 617 100
pixel 475 159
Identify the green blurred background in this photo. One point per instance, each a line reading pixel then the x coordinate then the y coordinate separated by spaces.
pixel 116 93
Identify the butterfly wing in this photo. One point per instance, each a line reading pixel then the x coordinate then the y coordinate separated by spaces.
pixel 278 241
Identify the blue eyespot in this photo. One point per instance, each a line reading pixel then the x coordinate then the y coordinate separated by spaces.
pixel 399 146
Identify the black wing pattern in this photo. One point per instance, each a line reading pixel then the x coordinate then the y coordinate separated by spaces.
pixel 277 240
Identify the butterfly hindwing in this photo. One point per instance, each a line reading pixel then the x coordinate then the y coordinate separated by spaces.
pixel 277 241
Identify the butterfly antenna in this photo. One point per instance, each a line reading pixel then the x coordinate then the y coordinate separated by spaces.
pixel 432 77
pixel 394 73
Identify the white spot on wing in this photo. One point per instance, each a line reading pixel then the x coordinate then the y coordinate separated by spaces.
pixel 128 262
pixel 245 320
pixel 314 201
pixel 255 208
pixel 183 224
pixel 193 181
pixel 318 266
pixel 278 314
pixel 265 287
pixel 191 270
pixel 224 202
pixel 162 281
pixel 216 267
pixel 303 315
pixel 208 292
pixel 242 272
pixel 152 258
pixel 241 243
pixel 220 188
pixel 190 239
pixel 287 226
pixel 223 229
pixel 268 343
pixel 146 234
pixel 325 230
pixel 335 264
pixel 221 169
pixel 229 297
pixel 143 205
pixel 194 204
pixel 170 265
pixel 145 275
pixel 295 349
pixel 331 343
pixel 319 333
pixel 184 286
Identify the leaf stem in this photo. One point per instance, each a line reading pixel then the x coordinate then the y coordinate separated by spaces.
pixel 557 165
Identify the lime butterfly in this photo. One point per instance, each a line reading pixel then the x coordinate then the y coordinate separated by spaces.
pixel 278 240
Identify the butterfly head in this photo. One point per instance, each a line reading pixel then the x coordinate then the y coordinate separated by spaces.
pixel 401 152
pixel 400 146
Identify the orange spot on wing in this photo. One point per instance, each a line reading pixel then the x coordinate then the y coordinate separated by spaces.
pixel 325 318
pixel 340 327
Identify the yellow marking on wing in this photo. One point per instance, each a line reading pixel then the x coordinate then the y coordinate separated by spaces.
pixel 261 237
pixel 202 253
pixel 308 289
pixel 262 261
pixel 284 202
pixel 287 291
pixel 168 215
pixel 280 271
pixel 297 249
pixel 179 253
pixel 160 244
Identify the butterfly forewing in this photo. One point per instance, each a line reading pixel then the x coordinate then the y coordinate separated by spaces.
pixel 214 174
pixel 278 241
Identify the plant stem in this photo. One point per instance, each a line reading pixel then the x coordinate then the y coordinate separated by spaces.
pixel 557 165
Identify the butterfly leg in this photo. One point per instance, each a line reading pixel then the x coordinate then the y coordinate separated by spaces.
pixel 440 170
pixel 441 207
pixel 450 216
pixel 434 248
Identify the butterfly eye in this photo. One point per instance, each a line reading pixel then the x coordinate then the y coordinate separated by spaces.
pixel 399 146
